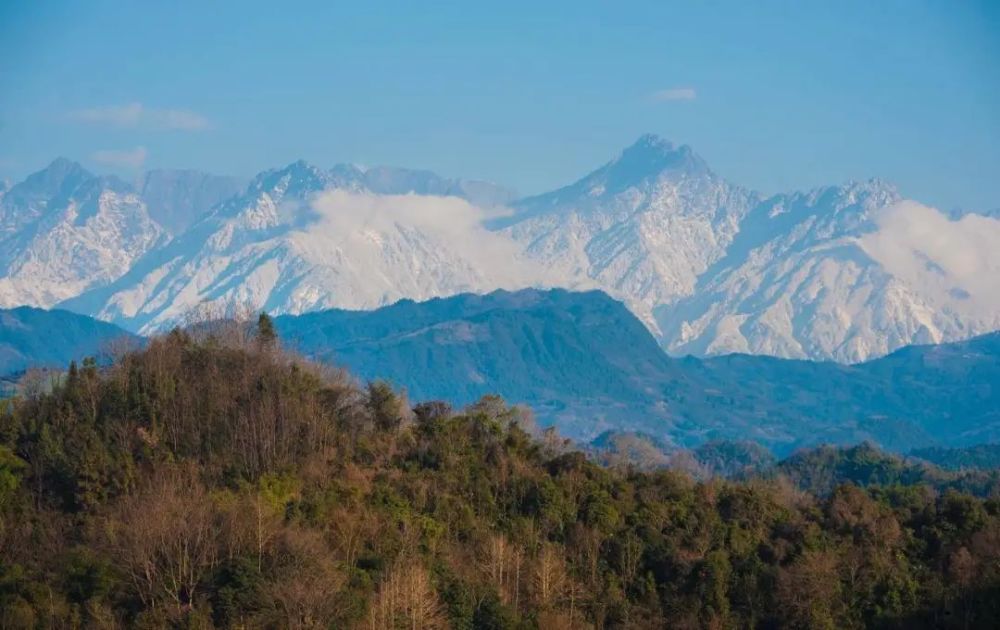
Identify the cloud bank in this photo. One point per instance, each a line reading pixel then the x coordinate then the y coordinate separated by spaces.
pixel 138 115
pixel 954 261
pixel 361 222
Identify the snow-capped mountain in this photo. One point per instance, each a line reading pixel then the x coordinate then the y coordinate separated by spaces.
pixel 837 273
pixel 713 268
pixel 63 231
pixel 845 272
pixel 644 226
pixel 797 282
pixel 301 238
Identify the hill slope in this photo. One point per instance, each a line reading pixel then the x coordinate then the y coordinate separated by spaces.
pixel 583 362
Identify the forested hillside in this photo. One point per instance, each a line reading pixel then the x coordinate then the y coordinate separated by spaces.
pixel 207 482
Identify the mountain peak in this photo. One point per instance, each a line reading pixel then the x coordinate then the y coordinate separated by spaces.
pixel 59 178
pixel 653 142
pixel 63 165
pixel 643 165
pixel 651 154
pixel 297 178
pixel 62 169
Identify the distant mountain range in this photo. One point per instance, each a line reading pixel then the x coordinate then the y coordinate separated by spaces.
pixel 582 361
pixel 585 363
pixel 846 272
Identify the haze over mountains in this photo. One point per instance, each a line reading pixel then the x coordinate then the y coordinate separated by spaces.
pixel 844 272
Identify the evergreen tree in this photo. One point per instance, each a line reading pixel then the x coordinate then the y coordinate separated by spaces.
pixel 267 336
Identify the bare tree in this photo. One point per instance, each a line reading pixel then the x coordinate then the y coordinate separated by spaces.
pixel 305 582
pixel 167 538
pixel 407 599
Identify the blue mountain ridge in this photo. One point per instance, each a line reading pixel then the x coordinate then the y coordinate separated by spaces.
pixel 35 337
pixel 583 362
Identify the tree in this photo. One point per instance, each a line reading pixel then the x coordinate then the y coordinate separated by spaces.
pixel 167 539
pixel 388 410
pixel 267 336
pixel 407 599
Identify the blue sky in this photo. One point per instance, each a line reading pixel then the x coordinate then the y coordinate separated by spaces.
pixel 775 95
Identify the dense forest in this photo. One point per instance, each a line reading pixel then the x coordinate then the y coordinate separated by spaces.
pixel 210 479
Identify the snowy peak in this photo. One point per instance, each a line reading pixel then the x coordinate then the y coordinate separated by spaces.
pixel 649 163
pixel 301 180
pixel 643 227
pixel 297 180
pixel 60 177
pixel 65 230
pixel 826 212
pixel 391 180
pixel 652 157
pixel 30 199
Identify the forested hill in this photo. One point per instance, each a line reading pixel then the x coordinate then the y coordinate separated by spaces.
pixel 208 484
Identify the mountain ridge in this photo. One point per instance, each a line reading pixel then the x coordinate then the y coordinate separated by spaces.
pixel 623 382
pixel 840 272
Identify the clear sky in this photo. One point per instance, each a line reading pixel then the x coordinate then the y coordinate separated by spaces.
pixel 774 95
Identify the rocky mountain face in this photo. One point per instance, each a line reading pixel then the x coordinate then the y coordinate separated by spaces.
pixel 64 231
pixel 795 282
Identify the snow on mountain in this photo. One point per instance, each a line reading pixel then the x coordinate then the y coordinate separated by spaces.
pixel 27 201
pixel 844 272
pixel 714 269
pixel 301 239
pixel 177 198
pixel 644 226
pixel 63 231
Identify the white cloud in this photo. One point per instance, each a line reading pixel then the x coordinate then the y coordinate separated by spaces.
pixel 954 261
pixel 356 223
pixel 675 94
pixel 137 115
pixel 121 158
